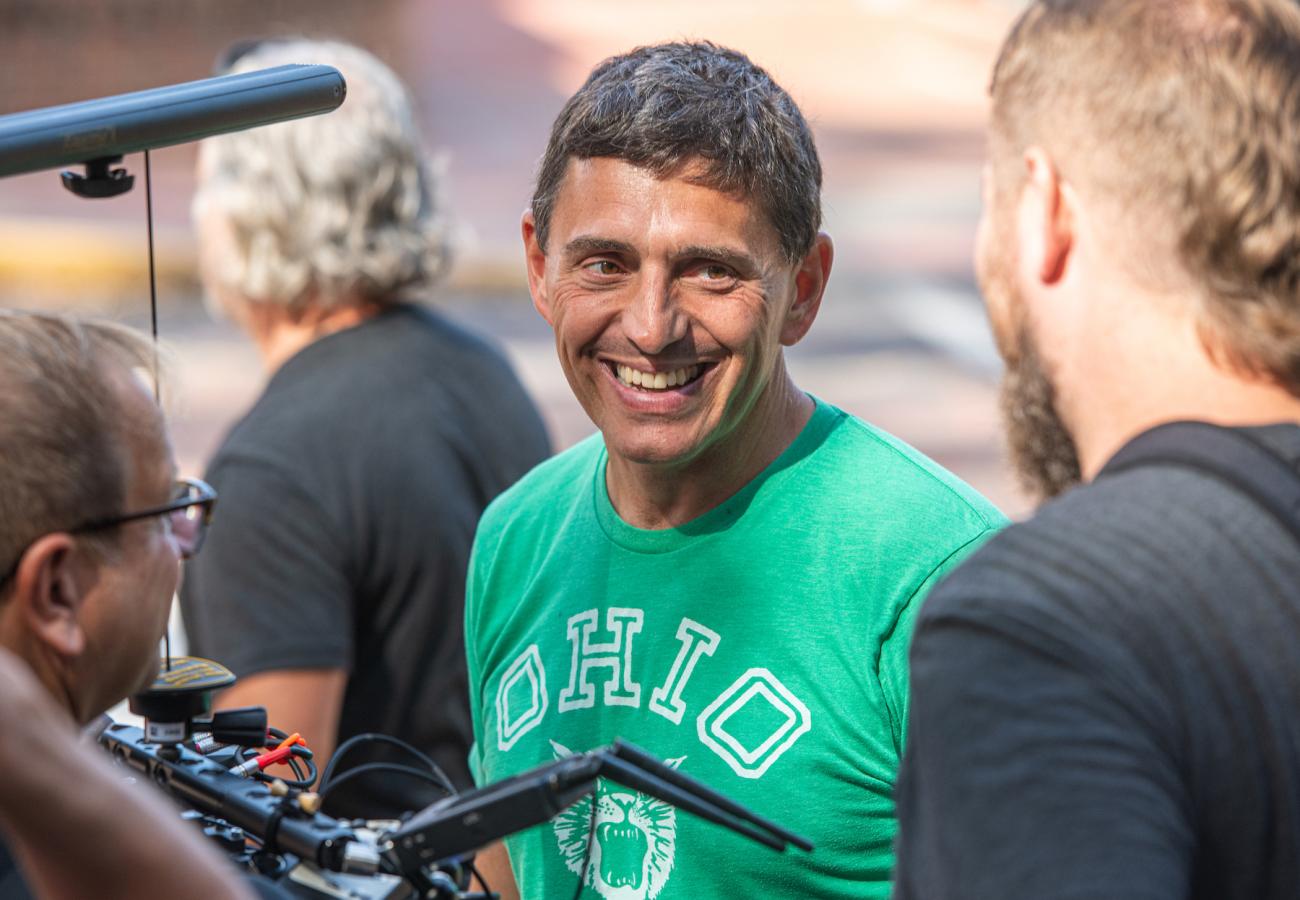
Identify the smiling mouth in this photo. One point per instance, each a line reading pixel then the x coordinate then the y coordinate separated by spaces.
pixel 657 381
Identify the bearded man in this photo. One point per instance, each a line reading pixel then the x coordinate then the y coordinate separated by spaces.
pixel 1104 698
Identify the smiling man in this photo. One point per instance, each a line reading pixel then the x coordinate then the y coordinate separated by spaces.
pixel 727 573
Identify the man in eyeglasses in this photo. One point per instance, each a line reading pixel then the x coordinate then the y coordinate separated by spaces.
pixel 93 525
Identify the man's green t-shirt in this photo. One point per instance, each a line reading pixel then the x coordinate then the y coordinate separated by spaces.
pixel 761 648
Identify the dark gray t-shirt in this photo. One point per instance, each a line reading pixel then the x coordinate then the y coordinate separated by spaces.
pixel 12 886
pixel 349 496
pixel 1106 703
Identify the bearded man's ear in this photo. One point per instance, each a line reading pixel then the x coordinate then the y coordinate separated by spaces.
pixel 1047 219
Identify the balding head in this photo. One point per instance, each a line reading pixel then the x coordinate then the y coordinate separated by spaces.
pixel 63 445
pixel 82 442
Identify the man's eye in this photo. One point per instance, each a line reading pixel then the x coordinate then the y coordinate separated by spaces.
pixel 714 275
pixel 602 267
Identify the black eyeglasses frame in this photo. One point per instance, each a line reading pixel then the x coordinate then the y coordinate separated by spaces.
pixel 206 499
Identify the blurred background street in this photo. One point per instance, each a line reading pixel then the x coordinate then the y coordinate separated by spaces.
pixel 895 90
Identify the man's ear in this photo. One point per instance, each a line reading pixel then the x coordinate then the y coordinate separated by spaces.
pixel 1046 221
pixel 809 285
pixel 535 260
pixel 50 591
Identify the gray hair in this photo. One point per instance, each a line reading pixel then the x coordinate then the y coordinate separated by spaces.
pixel 331 206
pixel 664 106
pixel 63 441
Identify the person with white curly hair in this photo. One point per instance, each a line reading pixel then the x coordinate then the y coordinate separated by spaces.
pixel 335 586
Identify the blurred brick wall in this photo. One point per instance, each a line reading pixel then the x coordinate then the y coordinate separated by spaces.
pixel 59 51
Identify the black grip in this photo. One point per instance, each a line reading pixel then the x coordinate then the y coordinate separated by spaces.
pixel 244 726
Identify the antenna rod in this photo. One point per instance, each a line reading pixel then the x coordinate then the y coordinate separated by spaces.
pixel 157 375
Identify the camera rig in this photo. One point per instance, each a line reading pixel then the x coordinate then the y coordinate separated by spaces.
pixel 279 832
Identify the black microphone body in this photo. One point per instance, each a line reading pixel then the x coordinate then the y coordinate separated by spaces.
pixel 160 117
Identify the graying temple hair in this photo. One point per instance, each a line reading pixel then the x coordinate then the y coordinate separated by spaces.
pixel 63 439
pixel 328 206
pixel 664 106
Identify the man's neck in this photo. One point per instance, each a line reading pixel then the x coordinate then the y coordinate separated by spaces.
pixel 660 496
pixel 1162 379
pixel 280 334
pixel 29 650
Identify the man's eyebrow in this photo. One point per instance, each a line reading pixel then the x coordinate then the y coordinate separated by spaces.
pixel 587 246
pixel 582 247
pixel 737 259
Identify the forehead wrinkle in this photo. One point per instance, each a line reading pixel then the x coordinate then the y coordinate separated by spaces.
pixel 635 212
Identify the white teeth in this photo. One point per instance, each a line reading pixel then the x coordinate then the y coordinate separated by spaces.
pixel 656 381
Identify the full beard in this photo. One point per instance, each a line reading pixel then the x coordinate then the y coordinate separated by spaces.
pixel 1043 453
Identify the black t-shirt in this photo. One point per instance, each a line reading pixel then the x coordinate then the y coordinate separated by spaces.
pixel 349 496
pixel 12 886
pixel 1106 703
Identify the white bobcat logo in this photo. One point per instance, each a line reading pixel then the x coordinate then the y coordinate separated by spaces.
pixel 636 839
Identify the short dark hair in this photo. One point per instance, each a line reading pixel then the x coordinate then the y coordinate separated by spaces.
pixel 664 106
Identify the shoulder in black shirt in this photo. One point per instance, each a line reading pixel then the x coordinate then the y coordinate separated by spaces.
pixel 1105 703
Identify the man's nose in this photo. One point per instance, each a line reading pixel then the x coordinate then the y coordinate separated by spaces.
pixel 654 319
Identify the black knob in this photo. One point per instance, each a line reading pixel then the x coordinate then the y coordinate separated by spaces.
pixel 245 726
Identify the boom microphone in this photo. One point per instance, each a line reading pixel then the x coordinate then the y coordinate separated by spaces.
pixel 160 117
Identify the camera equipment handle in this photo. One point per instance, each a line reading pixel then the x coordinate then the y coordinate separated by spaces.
pixel 462 823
